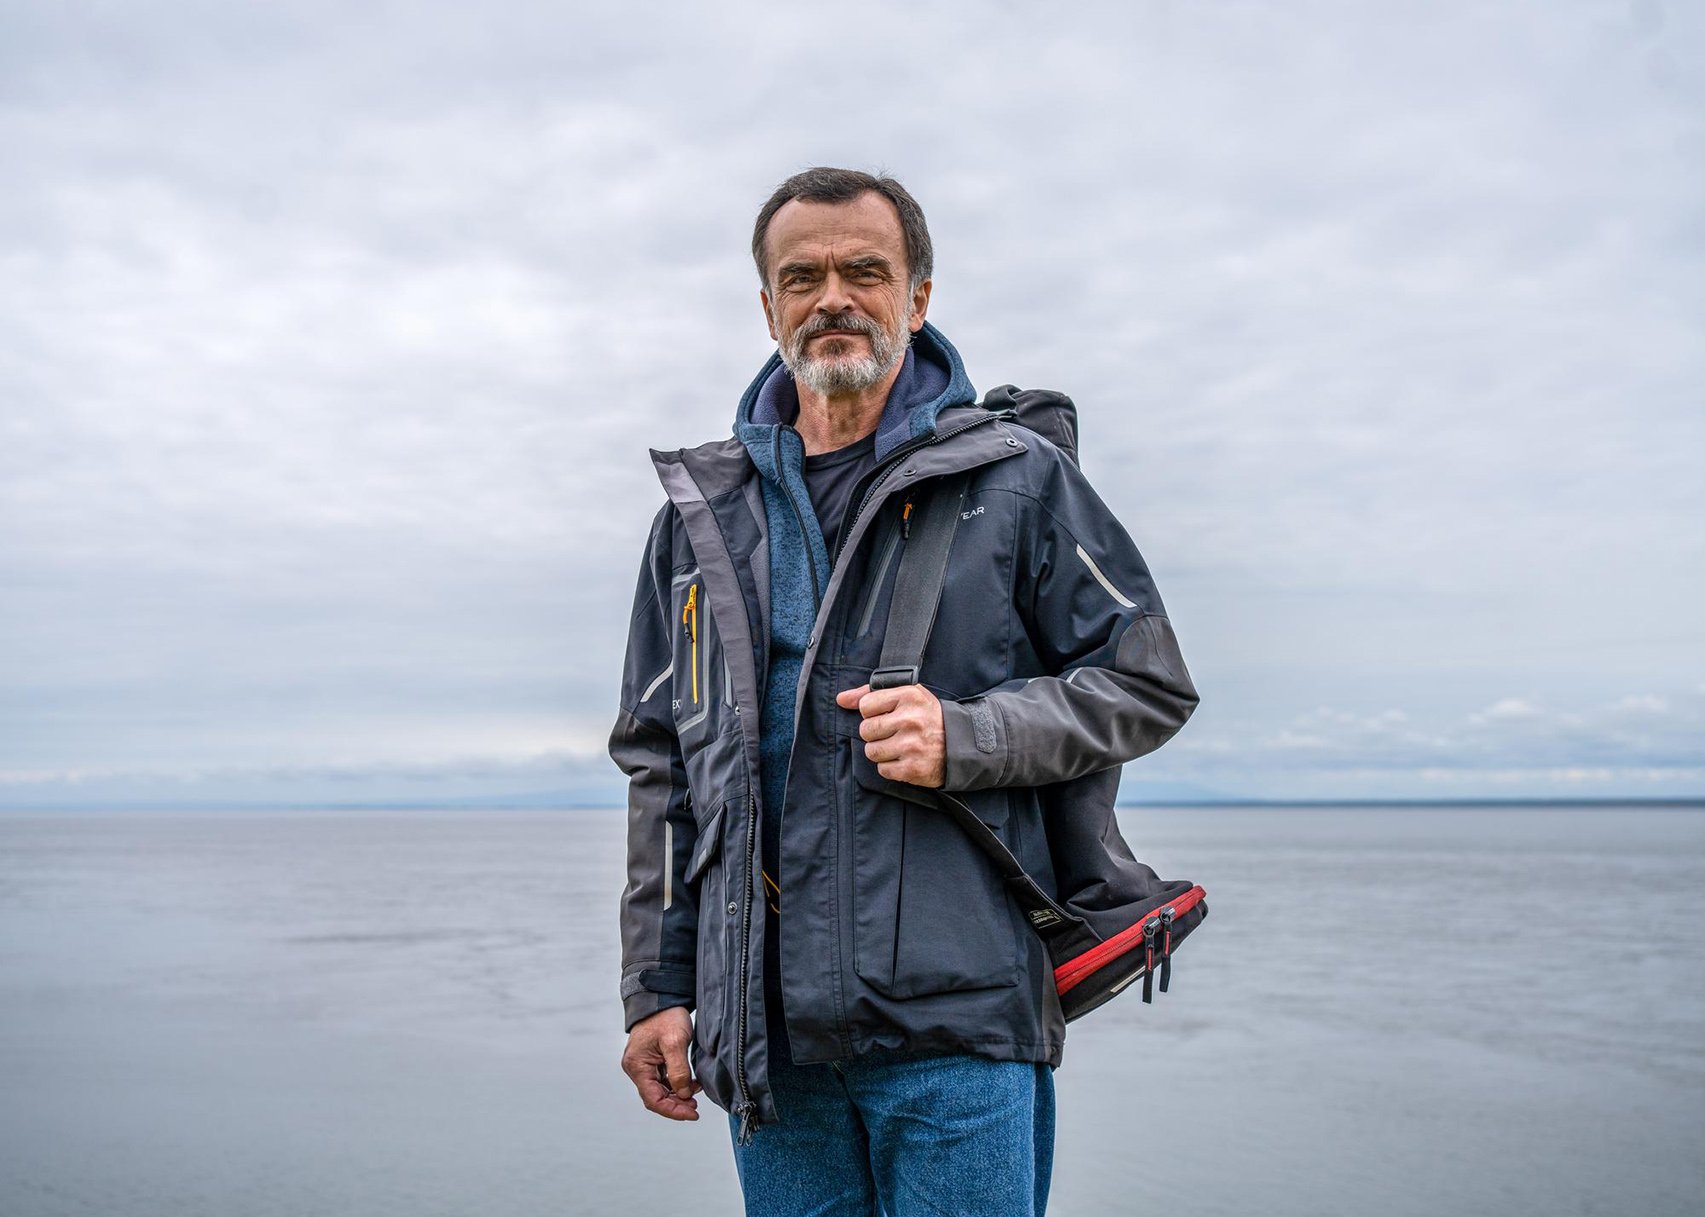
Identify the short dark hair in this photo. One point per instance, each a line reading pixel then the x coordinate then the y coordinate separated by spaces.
pixel 826 185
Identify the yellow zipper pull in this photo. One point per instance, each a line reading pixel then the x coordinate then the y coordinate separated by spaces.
pixel 690 619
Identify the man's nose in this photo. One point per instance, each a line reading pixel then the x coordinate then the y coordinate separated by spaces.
pixel 834 298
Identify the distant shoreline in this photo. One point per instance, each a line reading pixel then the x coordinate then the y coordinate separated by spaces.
pixel 500 805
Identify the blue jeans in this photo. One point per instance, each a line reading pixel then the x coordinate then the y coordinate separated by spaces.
pixel 933 1136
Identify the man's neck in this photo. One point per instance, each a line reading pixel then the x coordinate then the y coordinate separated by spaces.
pixel 827 422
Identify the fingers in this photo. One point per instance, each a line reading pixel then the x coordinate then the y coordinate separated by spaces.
pixel 886 701
pixel 914 756
pixel 886 749
pixel 882 726
pixel 910 708
pixel 675 1069
pixel 902 732
pixel 915 771
pixel 655 1060
pixel 657 1098
pixel 869 703
pixel 656 1094
pixel 849 699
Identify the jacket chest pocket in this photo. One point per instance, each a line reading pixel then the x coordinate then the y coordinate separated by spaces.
pixel 929 913
pixel 699 674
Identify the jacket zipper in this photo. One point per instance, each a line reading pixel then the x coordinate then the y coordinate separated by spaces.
pixel 747 1110
pixel 1068 975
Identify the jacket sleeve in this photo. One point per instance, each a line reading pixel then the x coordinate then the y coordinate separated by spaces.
pixel 659 915
pixel 1117 686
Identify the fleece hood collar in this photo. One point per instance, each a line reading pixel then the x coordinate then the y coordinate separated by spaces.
pixel 931 379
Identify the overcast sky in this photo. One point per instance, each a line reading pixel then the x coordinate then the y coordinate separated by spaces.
pixel 332 340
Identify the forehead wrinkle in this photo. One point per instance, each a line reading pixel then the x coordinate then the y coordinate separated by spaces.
pixel 804 229
pixel 813 259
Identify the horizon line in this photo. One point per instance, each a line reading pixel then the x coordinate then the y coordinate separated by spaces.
pixel 521 804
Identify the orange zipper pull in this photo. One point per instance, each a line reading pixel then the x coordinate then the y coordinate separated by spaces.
pixel 906 521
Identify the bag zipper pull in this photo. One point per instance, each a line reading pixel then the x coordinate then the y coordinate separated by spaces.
pixel 1149 928
pixel 906 521
pixel 1166 915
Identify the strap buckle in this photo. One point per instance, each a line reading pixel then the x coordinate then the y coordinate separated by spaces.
pixel 893 678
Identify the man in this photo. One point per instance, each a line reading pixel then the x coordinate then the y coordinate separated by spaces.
pixel 871 1008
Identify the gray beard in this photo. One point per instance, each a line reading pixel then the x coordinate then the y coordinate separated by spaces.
pixel 832 376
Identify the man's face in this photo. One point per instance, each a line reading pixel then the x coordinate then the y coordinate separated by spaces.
pixel 838 304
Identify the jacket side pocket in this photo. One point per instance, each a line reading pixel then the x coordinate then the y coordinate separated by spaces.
pixel 930 915
pixel 703 880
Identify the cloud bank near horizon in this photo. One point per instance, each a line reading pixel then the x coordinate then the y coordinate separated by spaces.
pixel 333 344
pixel 1640 746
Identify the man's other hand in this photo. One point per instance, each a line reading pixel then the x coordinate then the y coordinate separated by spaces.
pixel 902 732
pixel 656 1060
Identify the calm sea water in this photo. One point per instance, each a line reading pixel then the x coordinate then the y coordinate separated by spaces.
pixel 1477 1011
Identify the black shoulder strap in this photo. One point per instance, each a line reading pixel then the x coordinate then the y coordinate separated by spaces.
pixel 918 583
pixel 911 618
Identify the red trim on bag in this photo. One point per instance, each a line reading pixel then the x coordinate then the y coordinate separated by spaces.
pixel 1074 971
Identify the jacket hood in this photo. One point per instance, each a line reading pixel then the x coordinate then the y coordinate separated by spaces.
pixel 931 379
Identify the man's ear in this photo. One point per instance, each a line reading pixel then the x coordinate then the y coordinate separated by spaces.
pixel 769 315
pixel 920 305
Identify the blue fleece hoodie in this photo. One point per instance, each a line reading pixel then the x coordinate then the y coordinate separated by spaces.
pixel 931 379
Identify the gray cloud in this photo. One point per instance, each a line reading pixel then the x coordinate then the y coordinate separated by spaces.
pixel 331 344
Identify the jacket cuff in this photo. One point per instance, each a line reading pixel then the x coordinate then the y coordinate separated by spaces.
pixel 976 744
pixel 646 992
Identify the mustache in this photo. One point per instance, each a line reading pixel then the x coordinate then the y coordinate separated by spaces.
pixel 823 323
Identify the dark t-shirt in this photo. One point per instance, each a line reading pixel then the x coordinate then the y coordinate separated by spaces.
pixel 830 478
